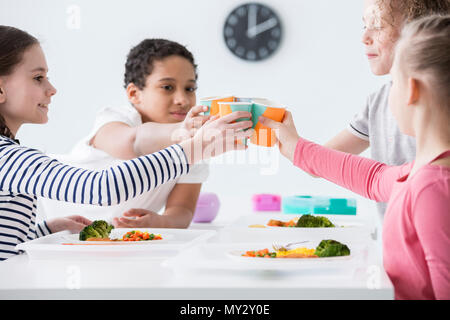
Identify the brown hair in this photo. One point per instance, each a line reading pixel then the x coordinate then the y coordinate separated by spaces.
pixel 424 49
pixel 410 10
pixel 13 44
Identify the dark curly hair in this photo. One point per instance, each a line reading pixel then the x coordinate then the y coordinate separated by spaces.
pixel 13 44
pixel 140 59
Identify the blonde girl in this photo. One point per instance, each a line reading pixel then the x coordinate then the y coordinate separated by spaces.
pixel 416 229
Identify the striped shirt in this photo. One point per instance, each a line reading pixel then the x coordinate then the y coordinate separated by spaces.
pixel 27 173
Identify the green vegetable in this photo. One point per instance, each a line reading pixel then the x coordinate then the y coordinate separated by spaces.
pixel 309 221
pixel 97 229
pixel 103 227
pixel 331 248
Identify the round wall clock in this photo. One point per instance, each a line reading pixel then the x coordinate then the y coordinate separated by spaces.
pixel 252 31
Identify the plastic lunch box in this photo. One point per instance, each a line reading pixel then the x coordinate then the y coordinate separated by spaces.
pixel 318 205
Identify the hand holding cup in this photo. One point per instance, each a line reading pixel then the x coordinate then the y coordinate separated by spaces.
pixel 217 136
pixel 286 134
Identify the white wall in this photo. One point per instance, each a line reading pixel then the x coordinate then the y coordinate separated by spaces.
pixel 320 71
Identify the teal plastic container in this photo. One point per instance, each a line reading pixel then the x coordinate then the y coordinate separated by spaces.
pixel 318 205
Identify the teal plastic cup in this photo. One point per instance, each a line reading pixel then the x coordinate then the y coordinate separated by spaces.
pixel 206 102
pixel 229 107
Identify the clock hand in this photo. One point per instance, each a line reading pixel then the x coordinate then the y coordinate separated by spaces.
pixel 252 12
pixel 266 25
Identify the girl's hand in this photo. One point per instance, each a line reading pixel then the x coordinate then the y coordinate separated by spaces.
pixel 286 134
pixel 138 218
pixel 194 120
pixel 72 223
pixel 218 135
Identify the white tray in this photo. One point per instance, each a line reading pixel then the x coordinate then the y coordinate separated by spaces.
pixel 226 257
pixel 55 246
pixel 349 227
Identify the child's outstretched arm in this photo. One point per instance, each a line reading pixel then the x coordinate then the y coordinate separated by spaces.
pixel 27 171
pixel 347 142
pixel 152 136
pixel 125 142
pixel 366 177
pixel 30 172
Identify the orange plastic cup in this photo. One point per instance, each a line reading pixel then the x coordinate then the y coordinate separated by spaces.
pixel 213 103
pixel 229 107
pixel 265 136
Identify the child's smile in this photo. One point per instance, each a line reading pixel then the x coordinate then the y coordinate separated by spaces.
pixel 379 38
pixel 179 115
pixel 28 91
pixel 43 107
pixel 169 92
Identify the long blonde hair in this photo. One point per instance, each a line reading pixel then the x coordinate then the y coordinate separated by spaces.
pixel 425 51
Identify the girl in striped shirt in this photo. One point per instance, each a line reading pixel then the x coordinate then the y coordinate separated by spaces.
pixel 25 173
pixel 416 228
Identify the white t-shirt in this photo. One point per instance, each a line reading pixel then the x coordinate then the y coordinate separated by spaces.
pixel 83 155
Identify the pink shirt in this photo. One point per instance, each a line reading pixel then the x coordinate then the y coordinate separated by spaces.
pixel 416 228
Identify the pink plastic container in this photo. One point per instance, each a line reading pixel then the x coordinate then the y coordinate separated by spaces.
pixel 208 206
pixel 266 202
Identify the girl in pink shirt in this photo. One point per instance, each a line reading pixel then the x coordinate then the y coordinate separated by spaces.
pixel 416 228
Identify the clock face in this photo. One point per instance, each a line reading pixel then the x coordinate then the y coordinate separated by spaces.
pixel 252 32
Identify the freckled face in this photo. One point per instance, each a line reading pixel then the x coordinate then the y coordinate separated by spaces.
pixel 169 91
pixel 379 37
pixel 27 91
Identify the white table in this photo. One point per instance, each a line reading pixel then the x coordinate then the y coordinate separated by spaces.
pixel 21 278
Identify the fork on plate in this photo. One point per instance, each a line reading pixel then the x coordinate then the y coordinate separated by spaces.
pixel 279 247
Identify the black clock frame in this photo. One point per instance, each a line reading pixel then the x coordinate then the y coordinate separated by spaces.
pixel 236 32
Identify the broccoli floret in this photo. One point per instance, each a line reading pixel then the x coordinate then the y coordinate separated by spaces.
pixel 331 248
pixel 89 232
pixel 97 229
pixel 102 227
pixel 309 221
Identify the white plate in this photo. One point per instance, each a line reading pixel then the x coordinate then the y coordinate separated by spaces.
pixel 174 240
pixel 263 219
pixel 350 227
pixel 226 257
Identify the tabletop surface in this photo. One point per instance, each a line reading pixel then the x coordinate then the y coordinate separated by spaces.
pixel 155 278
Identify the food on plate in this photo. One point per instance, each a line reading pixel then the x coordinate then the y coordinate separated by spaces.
pixel 264 253
pixel 278 223
pixel 309 221
pixel 137 235
pixel 332 248
pixel 294 253
pixel 326 248
pixel 297 253
pixel 98 230
pixel 305 221
pixel 257 226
